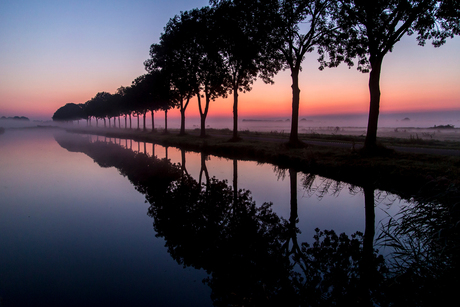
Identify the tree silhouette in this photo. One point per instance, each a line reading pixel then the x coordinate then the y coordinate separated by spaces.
pixel 123 104
pixel 174 55
pixel 373 28
pixel 244 30
pixel 97 106
pixel 141 97
pixel 69 112
pixel 210 79
pixel 161 98
pixel 302 26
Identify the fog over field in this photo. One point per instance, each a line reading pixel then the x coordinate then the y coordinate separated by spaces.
pixel 401 125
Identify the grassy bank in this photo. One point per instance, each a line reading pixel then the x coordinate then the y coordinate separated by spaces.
pixel 401 173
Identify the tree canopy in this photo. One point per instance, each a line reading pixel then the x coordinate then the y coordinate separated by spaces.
pixel 69 112
pixel 245 40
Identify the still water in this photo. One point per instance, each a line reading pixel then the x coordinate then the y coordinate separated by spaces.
pixel 92 221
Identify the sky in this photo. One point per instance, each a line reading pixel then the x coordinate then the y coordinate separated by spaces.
pixel 58 52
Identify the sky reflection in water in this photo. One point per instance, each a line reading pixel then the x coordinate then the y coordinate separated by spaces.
pixel 73 233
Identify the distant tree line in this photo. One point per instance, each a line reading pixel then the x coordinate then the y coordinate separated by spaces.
pixel 15 118
pixel 222 49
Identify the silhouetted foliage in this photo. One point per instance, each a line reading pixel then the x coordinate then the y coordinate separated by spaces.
pixel 245 40
pixel 206 64
pixel 97 106
pixel 174 56
pixel 69 112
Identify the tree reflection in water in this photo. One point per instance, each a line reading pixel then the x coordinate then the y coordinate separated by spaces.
pixel 253 256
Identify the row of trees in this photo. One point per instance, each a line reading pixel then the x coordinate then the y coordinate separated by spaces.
pixel 149 92
pixel 222 49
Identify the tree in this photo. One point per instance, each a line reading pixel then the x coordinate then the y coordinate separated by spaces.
pixel 112 107
pixel 161 94
pixel 244 29
pixel 96 106
pixel 140 97
pixel 210 76
pixel 123 104
pixel 304 25
pixel 174 56
pixel 69 112
pixel 373 28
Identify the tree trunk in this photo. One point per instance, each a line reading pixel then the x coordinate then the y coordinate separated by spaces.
pixel 138 125
pixel 153 120
pixel 145 115
pixel 126 121
pixel 204 113
pixel 97 123
pixel 119 124
pixel 182 121
pixel 130 122
pixel 203 125
pixel 202 117
pixel 182 114
pixel 166 121
pixel 294 136
pixel 374 107
pixel 110 123
pixel 105 123
pixel 235 112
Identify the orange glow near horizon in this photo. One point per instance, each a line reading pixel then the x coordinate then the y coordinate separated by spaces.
pixel 264 101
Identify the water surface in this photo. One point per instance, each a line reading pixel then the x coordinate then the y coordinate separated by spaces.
pixel 88 220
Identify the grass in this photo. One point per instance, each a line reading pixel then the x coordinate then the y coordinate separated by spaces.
pixel 401 173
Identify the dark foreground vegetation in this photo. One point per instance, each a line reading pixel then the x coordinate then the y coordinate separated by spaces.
pixel 402 173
